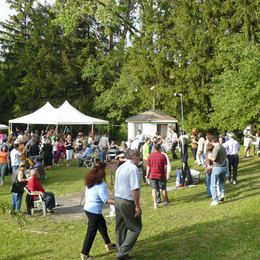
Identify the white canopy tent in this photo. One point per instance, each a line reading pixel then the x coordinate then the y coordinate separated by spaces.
pixel 46 115
pixel 3 127
pixel 66 114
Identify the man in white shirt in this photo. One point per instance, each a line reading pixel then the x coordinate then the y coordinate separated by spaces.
pixel 141 139
pixel 127 204
pixel 15 160
pixel 232 149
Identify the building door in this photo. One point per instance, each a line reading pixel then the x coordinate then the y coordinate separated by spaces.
pixel 162 130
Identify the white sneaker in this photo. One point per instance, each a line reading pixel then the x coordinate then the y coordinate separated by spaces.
pixel 221 197
pixel 214 203
pixel 228 181
pixel 155 206
pixel 2 183
pixel 234 182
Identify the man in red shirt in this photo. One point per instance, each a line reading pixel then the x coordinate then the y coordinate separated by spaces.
pixel 35 185
pixel 156 172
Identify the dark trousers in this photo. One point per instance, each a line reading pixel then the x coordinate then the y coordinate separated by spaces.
pixel 29 203
pixel 128 227
pixel 187 179
pixel 173 148
pixel 233 165
pixel 194 153
pixel 140 146
pixel 96 222
pixel 49 200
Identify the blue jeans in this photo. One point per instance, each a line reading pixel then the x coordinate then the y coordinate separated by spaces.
pixel 208 178
pixel 14 169
pixel 217 178
pixel 203 158
pixel 102 156
pixel 17 201
pixel 3 167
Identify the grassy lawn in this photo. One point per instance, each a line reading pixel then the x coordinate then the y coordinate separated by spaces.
pixel 188 229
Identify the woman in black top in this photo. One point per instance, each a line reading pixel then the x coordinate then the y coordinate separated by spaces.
pixel 47 153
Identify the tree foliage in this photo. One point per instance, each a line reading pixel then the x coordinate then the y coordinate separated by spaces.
pixel 112 59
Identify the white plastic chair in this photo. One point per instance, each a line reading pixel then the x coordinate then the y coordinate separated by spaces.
pixel 38 203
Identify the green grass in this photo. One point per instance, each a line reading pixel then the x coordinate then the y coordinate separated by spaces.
pixel 188 229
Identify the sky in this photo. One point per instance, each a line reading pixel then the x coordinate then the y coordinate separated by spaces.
pixel 5 11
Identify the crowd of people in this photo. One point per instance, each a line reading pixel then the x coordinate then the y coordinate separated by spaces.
pixel 29 155
pixel 218 155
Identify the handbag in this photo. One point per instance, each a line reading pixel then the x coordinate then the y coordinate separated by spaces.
pixel 17 187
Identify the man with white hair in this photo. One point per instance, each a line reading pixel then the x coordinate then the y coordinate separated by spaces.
pixel 35 185
pixel 127 205
pixel 232 148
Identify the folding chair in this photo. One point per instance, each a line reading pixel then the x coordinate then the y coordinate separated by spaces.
pixel 90 160
pixel 34 201
pixel 111 154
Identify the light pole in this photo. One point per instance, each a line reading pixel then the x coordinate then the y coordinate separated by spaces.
pixel 152 88
pixel 182 113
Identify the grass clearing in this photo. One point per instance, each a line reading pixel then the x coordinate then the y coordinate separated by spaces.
pixel 187 229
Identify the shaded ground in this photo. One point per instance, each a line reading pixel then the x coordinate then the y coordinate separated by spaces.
pixel 71 207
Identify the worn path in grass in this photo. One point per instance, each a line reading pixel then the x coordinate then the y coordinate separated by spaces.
pixel 188 229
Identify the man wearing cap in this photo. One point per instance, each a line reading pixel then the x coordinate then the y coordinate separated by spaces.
pixel 232 148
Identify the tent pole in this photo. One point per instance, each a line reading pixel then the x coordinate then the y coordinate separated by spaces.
pixel 92 130
pixel 10 128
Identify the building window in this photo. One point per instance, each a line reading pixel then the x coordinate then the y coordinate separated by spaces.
pixel 162 130
pixel 138 126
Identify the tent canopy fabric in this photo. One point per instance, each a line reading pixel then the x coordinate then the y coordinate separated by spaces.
pixel 3 127
pixel 66 114
pixel 46 115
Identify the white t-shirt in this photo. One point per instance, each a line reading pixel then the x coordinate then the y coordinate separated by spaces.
pixel 54 145
pixel 14 155
pixel 140 138
pixel 201 144
pixel 104 142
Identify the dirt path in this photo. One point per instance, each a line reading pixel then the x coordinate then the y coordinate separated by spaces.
pixel 69 207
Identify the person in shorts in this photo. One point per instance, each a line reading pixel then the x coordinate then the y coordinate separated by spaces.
pixel 156 172
pixel 69 149
pixel 247 141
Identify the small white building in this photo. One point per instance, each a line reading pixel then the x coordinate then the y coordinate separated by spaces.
pixel 150 122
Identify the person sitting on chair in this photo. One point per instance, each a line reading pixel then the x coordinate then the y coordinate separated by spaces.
pixel 35 185
pixel 82 157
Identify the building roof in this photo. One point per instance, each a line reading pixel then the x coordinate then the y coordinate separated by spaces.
pixel 153 116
